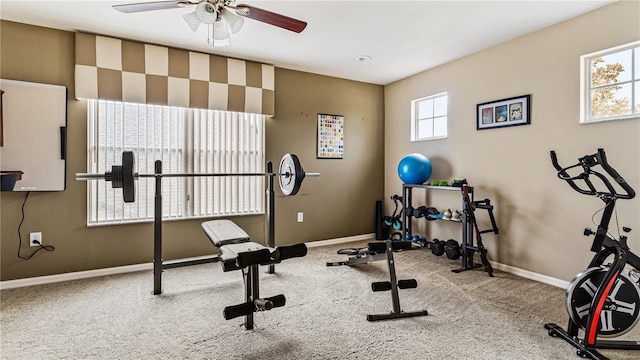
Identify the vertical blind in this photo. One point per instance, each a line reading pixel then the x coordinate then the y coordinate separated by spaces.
pixel 186 141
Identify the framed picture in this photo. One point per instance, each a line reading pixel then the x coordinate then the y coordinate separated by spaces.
pixel 330 136
pixel 506 112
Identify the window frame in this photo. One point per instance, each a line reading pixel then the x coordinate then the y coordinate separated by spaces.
pixel 415 120
pixel 254 151
pixel 586 87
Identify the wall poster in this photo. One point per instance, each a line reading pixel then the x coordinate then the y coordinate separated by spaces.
pixel 330 136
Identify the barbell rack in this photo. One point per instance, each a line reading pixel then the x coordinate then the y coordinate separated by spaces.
pixel 118 174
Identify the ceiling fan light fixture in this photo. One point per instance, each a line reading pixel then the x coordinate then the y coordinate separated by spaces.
pixel 206 12
pixel 220 30
pixel 233 20
pixel 192 20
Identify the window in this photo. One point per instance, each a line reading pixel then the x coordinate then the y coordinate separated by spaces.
pixel 186 141
pixel 610 84
pixel 429 117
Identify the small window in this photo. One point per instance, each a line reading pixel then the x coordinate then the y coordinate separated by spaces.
pixel 610 84
pixel 429 117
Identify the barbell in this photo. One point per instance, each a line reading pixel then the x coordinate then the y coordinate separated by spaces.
pixel 290 175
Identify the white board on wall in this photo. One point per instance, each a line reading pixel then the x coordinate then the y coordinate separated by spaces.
pixel 34 120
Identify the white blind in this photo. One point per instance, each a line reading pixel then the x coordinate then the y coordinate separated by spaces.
pixel 186 141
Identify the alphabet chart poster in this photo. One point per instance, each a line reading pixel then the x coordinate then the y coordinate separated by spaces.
pixel 330 136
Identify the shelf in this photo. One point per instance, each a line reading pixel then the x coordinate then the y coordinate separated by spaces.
pixel 424 186
pixel 467 244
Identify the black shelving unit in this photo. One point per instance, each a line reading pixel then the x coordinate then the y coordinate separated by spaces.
pixel 467 244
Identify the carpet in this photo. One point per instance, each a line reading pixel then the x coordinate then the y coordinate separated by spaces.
pixel 471 316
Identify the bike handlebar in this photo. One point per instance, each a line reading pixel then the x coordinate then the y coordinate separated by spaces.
pixel 587 162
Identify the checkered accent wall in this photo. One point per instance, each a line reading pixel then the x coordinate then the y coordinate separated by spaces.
pixel 114 69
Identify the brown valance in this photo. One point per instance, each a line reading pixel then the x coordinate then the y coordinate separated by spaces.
pixel 123 70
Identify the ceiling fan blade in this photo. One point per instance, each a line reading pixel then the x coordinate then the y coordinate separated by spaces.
pixel 274 19
pixel 148 6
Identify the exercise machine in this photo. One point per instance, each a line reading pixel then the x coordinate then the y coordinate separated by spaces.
pixel 383 250
pixel 238 252
pixel 603 300
pixel 387 248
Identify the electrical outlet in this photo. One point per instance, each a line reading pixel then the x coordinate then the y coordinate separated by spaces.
pixel 37 236
pixel 300 217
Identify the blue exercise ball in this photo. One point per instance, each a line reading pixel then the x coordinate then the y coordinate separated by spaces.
pixel 414 169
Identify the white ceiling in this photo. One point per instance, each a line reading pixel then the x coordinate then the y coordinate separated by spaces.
pixel 402 37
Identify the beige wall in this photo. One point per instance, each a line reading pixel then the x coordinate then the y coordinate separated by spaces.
pixel 346 187
pixel 540 217
pixel 346 191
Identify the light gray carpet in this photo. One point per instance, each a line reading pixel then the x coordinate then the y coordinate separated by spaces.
pixel 471 316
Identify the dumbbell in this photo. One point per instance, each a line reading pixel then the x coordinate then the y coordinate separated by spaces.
pixel 415 212
pixel 437 247
pixel 420 211
pixel 452 249
pixel 421 241
pixel 408 211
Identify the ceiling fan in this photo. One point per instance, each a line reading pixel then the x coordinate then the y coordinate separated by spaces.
pixel 222 16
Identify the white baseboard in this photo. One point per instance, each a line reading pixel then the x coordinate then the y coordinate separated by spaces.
pixel 320 243
pixel 50 279
pixel 531 275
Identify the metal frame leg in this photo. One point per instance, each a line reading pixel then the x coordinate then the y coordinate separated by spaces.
pixel 157 232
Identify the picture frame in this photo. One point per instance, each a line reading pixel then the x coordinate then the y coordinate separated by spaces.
pixel 330 144
pixel 503 113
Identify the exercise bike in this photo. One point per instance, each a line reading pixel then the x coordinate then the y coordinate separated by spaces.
pixel 603 300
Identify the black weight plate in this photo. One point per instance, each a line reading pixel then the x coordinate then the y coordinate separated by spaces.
pixel 128 176
pixel 291 174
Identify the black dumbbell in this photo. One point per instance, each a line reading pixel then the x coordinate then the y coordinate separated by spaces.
pixel 452 248
pixel 437 247
pixel 420 211
pixel 408 211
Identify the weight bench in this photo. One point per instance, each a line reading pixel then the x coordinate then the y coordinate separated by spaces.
pixel 384 251
pixel 387 248
pixel 238 252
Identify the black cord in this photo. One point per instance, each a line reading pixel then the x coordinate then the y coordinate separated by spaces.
pixel 42 247
pixel 615 212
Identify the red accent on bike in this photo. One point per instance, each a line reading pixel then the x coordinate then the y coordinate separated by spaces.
pixel 596 319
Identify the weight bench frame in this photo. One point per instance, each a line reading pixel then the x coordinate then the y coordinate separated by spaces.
pixel 250 272
pixel 394 284
pixel 384 251
pixel 159 265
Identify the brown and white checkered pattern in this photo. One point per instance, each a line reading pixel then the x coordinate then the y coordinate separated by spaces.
pixel 114 69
